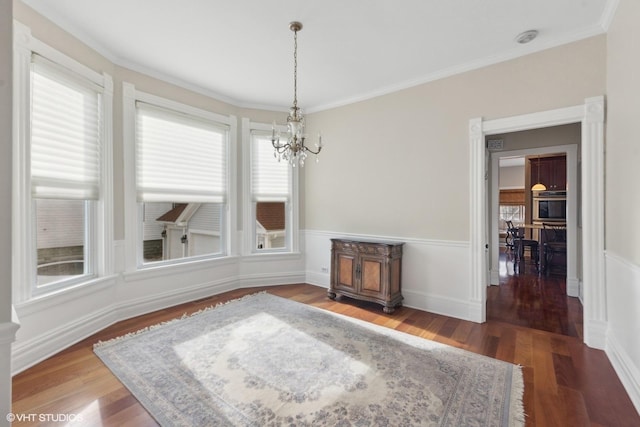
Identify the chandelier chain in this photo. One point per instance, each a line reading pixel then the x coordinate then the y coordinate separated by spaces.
pixel 295 69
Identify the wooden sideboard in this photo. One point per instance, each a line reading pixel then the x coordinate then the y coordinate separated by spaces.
pixel 370 271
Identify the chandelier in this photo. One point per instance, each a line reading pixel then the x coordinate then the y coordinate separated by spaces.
pixel 292 146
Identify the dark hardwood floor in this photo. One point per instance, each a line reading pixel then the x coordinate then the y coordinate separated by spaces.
pixel 566 383
pixel 533 300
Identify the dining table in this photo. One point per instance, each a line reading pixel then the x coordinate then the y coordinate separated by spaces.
pixel 540 238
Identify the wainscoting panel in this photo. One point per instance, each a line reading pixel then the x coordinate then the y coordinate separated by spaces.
pixel 51 323
pixel 623 333
pixel 271 269
pixel 435 273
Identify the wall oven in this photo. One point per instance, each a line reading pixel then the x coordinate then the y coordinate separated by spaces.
pixel 550 206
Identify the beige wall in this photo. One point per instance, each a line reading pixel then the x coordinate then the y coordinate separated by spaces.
pixel 623 138
pixel 398 165
pixel 622 208
pixel 511 177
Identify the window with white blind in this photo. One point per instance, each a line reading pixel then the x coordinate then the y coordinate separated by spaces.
pixel 63 206
pixel 181 183
pixel 512 207
pixel 65 171
pixel 270 195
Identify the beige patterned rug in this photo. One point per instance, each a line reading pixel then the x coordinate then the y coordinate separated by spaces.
pixel 267 361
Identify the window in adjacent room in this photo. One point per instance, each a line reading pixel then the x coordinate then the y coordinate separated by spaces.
pixel 512 207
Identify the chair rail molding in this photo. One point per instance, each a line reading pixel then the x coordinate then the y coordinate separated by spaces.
pixel 591 116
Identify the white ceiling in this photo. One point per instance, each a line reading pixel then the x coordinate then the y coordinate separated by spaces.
pixel 241 51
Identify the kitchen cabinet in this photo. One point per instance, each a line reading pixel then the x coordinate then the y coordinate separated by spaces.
pixel 369 271
pixel 550 171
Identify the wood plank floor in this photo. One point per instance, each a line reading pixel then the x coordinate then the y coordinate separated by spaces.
pixel 566 383
pixel 536 301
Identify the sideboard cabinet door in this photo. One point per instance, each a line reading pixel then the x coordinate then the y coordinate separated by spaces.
pixel 346 271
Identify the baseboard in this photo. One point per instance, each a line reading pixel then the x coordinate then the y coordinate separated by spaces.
pixel 156 302
pixel 573 287
pixel 29 352
pixel 626 370
pixel 318 279
pixel 495 277
pixel 270 279
pixel 439 304
pixel 595 334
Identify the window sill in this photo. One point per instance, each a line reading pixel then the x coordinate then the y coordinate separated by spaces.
pixel 63 295
pixel 179 267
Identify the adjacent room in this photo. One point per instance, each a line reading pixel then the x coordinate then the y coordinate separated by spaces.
pixel 532 196
pixel 319 213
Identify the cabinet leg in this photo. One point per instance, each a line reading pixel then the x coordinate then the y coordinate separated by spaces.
pixel 331 295
pixel 388 310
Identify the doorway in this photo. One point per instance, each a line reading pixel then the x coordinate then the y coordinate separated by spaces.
pixel 526 291
pixel 572 192
pixel 592 287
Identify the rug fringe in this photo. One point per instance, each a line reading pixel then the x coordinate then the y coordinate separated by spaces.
pixel 168 322
pixel 516 404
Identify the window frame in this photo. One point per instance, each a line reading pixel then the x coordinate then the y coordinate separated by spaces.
pixel 99 233
pixel 249 204
pixel 133 208
pixel 520 207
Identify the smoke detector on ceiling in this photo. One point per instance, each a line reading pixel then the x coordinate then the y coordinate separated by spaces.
pixel 527 36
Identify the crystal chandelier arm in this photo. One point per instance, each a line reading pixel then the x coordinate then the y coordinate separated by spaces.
pixel 311 151
pixel 319 145
pixel 275 140
pixel 278 146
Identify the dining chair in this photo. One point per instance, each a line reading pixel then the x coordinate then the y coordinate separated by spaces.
pixel 512 232
pixel 554 244
pixel 520 244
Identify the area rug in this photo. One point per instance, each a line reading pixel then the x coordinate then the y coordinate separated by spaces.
pixel 263 360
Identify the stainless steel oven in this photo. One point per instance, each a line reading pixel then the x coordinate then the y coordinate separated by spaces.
pixel 550 206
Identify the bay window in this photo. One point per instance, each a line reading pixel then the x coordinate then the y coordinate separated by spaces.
pixel 270 197
pixel 181 183
pixel 62 216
